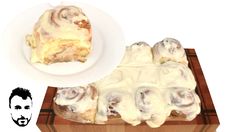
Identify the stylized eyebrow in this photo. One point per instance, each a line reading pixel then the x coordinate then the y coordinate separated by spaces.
pixel 27 107
pixel 17 107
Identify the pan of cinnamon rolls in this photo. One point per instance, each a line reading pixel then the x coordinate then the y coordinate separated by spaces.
pixel 151 84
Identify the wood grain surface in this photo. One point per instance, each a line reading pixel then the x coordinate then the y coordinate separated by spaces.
pixel 206 121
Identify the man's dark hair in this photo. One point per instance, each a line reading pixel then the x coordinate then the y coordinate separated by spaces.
pixel 23 93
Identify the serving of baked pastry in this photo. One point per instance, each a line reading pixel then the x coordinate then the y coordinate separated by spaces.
pixel 62 34
pixel 77 104
pixel 173 74
pixel 183 102
pixel 141 90
pixel 169 49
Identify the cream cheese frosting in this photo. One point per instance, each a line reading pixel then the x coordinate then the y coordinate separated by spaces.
pixel 151 85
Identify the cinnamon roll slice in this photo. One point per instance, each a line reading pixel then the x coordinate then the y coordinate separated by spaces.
pixel 62 34
pixel 183 103
pixel 169 49
pixel 77 104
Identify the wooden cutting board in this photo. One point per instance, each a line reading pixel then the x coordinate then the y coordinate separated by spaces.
pixel 207 120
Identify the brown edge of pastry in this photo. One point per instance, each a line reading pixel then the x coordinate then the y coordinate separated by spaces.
pixel 174 116
pixel 63 112
pixel 86 117
pixel 89 116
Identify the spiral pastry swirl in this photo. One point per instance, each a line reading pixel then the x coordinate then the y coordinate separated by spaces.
pixel 69 96
pixel 74 97
pixel 169 49
pixel 184 101
pixel 150 102
pixel 68 14
pixel 61 34
pixel 77 104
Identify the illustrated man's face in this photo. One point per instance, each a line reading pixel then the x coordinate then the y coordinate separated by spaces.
pixel 21 110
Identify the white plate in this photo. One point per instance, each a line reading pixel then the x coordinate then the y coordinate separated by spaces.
pixel 107 52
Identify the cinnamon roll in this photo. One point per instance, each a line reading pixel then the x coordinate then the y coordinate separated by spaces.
pixel 61 34
pixel 138 54
pixel 173 74
pixel 77 104
pixel 117 103
pixel 183 102
pixel 169 49
pixel 151 104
